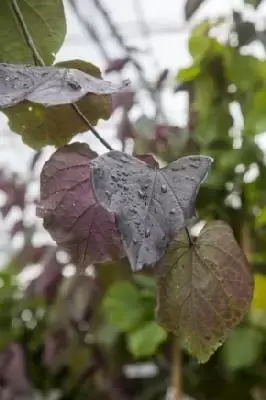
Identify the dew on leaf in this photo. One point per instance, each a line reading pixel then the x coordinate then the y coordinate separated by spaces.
pixel 164 188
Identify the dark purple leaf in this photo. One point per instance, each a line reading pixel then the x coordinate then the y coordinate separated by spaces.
pixel 48 85
pixel 117 65
pixel 151 205
pixel 70 211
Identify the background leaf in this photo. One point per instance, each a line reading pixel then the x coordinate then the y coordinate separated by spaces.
pixel 145 340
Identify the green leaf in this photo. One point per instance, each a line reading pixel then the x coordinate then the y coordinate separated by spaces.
pixel 204 288
pixel 243 348
pixel 40 126
pixel 124 307
pixel 188 74
pixel 145 341
pixel 45 21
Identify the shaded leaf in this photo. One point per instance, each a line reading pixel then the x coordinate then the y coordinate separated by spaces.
pixel 246 31
pixel 124 307
pixel 148 159
pixel 242 348
pixel 70 212
pixel 45 21
pixel 48 85
pixel 151 205
pixel 204 288
pixel 40 126
pixel 54 344
pixel 144 341
pixel 191 7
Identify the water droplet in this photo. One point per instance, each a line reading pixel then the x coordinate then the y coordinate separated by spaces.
pixel 108 194
pixel 173 211
pixel 114 178
pixel 146 186
pixel 147 232
pixel 141 194
pixel 135 241
pixel 164 188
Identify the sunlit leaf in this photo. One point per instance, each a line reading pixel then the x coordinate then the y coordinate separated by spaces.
pixel 70 211
pixel 151 205
pixel 145 340
pixel 204 288
pixel 45 21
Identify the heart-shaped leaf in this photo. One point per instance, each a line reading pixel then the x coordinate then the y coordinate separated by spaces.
pixel 204 288
pixel 151 205
pixel 70 211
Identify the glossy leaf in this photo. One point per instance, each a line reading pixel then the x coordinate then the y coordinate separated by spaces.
pixel 40 126
pixel 45 21
pixel 144 341
pixel 70 211
pixel 151 205
pixel 204 288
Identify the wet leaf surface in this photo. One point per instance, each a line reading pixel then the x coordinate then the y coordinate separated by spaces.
pixel 151 205
pixel 48 85
pixel 204 288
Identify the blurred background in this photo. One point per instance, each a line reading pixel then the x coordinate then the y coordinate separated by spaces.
pixel 198 85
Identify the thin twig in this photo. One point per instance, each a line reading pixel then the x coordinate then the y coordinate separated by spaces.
pixel 92 129
pixel 176 370
pixel 40 60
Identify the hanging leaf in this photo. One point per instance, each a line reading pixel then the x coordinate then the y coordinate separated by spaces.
pixel 191 7
pixel 40 126
pixel 204 288
pixel 151 205
pixel 45 21
pixel 70 211
pixel 48 85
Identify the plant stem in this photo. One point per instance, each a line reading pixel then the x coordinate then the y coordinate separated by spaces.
pixel 39 60
pixel 176 370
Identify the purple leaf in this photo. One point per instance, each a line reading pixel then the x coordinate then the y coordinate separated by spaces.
pixel 49 85
pixel 123 99
pixel 70 211
pixel 151 205
pixel 117 64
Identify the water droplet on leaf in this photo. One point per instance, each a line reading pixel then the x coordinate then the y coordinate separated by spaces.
pixel 164 188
